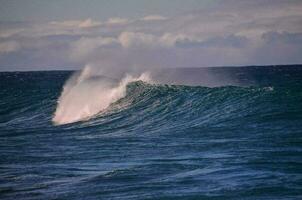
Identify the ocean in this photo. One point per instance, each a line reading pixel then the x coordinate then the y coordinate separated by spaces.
pixel 204 133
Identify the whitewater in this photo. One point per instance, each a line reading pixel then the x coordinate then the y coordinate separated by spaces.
pixel 86 94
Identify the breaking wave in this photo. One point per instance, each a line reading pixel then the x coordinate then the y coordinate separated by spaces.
pixel 85 95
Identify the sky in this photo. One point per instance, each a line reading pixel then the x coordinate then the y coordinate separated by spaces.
pixel 71 34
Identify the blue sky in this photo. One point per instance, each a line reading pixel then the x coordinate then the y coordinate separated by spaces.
pixel 70 34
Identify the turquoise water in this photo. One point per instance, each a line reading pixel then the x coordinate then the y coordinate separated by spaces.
pixel 240 139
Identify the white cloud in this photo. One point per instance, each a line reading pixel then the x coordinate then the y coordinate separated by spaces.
pixel 6 33
pixel 9 46
pixel 230 33
pixel 153 18
pixel 87 23
pixel 138 39
pixel 117 21
pixel 85 46
pixel 132 39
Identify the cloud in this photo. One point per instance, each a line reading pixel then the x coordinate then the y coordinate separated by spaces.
pixel 87 23
pixel 282 47
pixel 283 37
pixel 229 41
pixel 9 46
pixel 228 33
pixel 6 33
pixel 143 40
pixel 132 39
pixel 153 18
pixel 117 21
pixel 85 46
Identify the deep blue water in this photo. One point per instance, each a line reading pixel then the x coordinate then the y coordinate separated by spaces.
pixel 241 139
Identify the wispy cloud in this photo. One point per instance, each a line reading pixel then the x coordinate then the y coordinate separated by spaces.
pixel 117 21
pixel 9 46
pixel 153 18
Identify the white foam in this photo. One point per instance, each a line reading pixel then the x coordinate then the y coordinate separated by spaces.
pixel 84 96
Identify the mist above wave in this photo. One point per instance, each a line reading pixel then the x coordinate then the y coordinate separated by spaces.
pixel 84 95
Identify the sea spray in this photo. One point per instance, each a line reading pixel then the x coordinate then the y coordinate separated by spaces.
pixel 85 95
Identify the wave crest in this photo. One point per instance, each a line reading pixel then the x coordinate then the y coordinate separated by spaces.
pixel 84 95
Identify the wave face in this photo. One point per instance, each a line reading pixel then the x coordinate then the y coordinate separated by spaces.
pixel 239 140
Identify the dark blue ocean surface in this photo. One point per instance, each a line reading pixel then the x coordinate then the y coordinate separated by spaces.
pixel 238 139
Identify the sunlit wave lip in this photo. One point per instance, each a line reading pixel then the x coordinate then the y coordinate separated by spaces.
pixel 84 96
